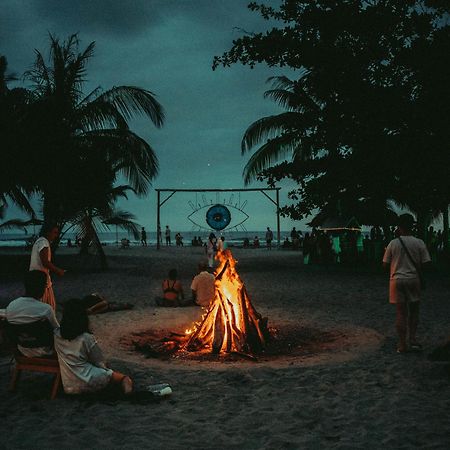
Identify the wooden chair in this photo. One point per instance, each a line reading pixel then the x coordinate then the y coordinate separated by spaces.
pixel 45 365
pixel 32 335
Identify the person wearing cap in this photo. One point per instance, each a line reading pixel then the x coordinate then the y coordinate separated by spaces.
pixel 406 255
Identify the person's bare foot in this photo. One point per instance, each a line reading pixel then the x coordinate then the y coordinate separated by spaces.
pixel 127 385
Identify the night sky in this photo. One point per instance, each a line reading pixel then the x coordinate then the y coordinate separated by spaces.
pixel 167 47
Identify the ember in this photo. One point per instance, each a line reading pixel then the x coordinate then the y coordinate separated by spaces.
pixel 231 323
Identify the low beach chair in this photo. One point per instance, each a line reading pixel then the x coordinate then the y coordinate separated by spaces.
pixel 43 365
pixel 32 335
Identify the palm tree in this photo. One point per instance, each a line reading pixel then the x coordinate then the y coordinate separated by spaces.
pixel 89 221
pixel 82 143
pixel 15 186
pixel 285 134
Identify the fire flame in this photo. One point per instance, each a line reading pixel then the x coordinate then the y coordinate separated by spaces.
pixel 230 324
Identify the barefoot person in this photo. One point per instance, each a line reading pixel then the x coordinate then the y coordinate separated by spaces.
pixel 406 255
pixel 83 367
pixel 41 259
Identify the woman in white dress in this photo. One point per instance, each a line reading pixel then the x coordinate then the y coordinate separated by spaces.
pixel 81 361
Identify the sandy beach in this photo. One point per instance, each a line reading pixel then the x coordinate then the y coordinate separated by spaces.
pixel 350 391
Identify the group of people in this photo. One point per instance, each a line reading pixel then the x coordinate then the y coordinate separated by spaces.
pixel 83 367
pixel 202 289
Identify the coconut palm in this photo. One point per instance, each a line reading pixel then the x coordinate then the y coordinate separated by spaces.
pixel 15 186
pixel 90 221
pixel 285 135
pixel 83 143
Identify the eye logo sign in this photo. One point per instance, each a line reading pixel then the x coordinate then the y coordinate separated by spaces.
pixel 218 216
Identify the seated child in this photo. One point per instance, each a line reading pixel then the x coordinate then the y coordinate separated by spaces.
pixel 81 361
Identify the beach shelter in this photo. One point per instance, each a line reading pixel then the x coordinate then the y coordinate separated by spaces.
pixel 335 223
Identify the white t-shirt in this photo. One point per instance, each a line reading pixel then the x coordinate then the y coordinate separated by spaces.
pixel 203 285
pixel 401 265
pixel 27 310
pixel 35 260
pixel 82 364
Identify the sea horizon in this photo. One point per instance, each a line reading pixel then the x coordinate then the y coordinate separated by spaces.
pixel 235 237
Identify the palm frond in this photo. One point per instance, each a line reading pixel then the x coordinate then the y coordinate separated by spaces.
pixel 13 224
pixel 131 101
pixel 285 99
pixel 19 198
pixel 120 191
pixel 268 127
pixel 99 114
pixel 124 220
pixel 129 154
pixel 281 82
pixel 272 151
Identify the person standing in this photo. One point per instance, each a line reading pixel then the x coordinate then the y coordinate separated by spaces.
pixel 41 259
pixel 221 245
pixel 211 249
pixel 167 235
pixel 406 255
pixel 143 237
pixel 269 238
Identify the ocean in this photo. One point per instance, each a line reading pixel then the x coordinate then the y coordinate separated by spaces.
pixel 111 238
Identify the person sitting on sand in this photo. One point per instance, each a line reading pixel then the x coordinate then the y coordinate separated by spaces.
pixel 172 291
pixel 203 286
pixel 96 304
pixel 29 309
pixel 83 367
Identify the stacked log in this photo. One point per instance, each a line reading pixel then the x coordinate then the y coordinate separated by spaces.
pixel 229 324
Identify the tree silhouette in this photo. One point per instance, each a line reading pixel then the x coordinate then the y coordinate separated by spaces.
pixel 377 73
pixel 81 144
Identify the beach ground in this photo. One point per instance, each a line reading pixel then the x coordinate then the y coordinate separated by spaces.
pixel 352 392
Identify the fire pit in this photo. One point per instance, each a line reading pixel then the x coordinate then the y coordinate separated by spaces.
pixel 231 323
pixel 231 329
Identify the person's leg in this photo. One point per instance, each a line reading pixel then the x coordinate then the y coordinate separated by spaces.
pixel 98 308
pixel 402 312
pixel 124 381
pixel 49 297
pixel 413 322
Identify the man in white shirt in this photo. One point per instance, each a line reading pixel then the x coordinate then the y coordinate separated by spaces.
pixel 41 259
pixel 29 309
pixel 203 286
pixel 404 284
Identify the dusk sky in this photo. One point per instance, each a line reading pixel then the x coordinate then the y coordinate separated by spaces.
pixel 167 47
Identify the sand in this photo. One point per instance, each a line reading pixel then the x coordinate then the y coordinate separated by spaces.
pixel 352 392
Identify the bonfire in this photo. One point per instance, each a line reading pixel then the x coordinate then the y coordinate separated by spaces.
pixel 231 323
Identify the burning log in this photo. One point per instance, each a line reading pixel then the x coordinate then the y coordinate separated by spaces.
pixel 231 323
